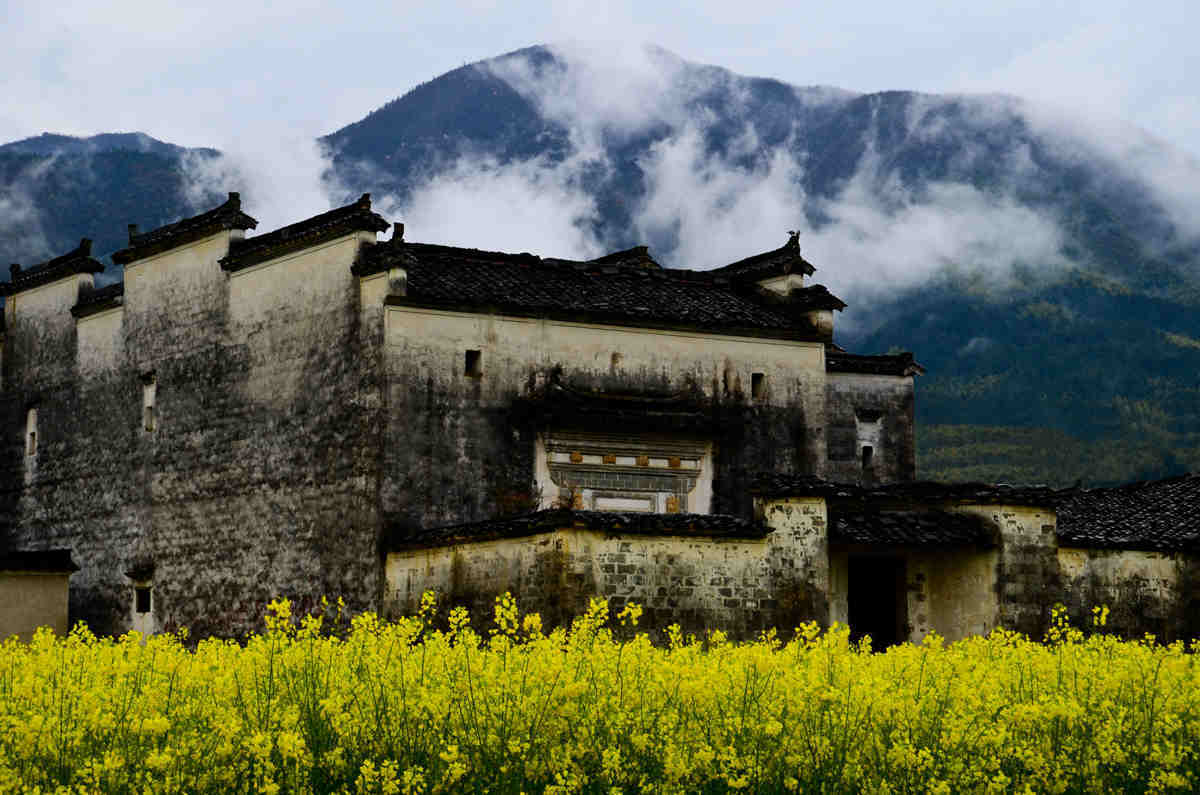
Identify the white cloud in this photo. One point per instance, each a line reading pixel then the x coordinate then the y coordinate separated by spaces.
pixel 706 211
pixel 480 203
pixel 281 180
pixel 20 223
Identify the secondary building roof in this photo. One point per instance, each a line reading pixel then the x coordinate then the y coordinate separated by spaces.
pixel 145 244
pixel 626 287
pixel 78 260
pixel 42 561
pixel 337 222
pixel 857 524
pixel 1162 515
pixel 550 520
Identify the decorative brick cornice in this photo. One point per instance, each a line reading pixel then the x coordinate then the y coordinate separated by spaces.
pixel 227 216
pixel 78 260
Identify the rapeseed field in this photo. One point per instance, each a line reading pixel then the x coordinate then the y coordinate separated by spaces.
pixel 406 706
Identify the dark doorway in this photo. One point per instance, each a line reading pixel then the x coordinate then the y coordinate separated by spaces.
pixel 876 600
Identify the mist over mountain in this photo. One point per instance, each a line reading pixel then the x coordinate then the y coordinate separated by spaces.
pixel 56 189
pixel 1045 267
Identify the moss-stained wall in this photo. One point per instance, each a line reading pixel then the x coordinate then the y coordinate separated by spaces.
pixel 1146 592
pixel 741 586
pixel 1027 575
pixel 259 477
pixel 454 449
pixel 950 590
pixel 855 397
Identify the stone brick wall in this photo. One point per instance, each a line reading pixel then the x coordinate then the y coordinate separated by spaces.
pixel 1146 592
pixel 1028 583
pixel 852 398
pixel 948 590
pixel 740 586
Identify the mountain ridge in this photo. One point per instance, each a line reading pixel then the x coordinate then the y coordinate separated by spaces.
pixel 1044 278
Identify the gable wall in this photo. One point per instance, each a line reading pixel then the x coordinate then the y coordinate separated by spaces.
pixel 849 394
pixel 258 481
pixel 454 451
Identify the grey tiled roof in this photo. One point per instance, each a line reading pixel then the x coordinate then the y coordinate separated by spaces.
pixel 1161 515
pixel 41 560
pixel 339 221
pixel 913 492
pixel 227 216
pixel 98 300
pixel 78 260
pixel 546 521
pixel 901 364
pixel 856 525
pixel 783 260
pixel 626 287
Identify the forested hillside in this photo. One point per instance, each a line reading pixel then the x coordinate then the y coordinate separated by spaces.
pixel 1045 272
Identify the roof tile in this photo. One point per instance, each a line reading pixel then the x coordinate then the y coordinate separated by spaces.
pixel 78 260
pixel 1160 515
pixel 339 221
pixel 625 287
pixel 227 216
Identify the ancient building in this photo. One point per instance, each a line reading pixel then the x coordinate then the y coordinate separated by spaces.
pixel 315 411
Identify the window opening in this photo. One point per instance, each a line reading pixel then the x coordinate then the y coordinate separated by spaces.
pixel 149 398
pixel 31 419
pixel 142 599
pixel 868 454
pixel 474 364
pixel 758 385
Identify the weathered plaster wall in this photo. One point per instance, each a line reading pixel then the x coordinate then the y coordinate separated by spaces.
pixel 40 343
pixel 949 591
pixel 1152 592
pixel 68 494
pixel 741 586
pixel 32 600
pixel 851 396
pixel 1027 574
pixel 101 347
pixel 259 477
pixel 800 541
pixel 454 450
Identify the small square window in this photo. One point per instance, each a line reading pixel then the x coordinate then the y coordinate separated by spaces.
pixel 149 401
pixel 758 385
pixel 31 428
pixel 142 599
pixel 474 364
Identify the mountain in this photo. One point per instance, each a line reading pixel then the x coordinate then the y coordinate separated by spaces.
pixel 1044 268
pixel 56 189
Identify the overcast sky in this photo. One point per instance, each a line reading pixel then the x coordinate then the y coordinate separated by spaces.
pixel 222 70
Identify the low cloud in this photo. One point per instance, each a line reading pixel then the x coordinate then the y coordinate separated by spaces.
pixel 281 180
pixel 703 210
pixel 481 203
pixel 20 220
